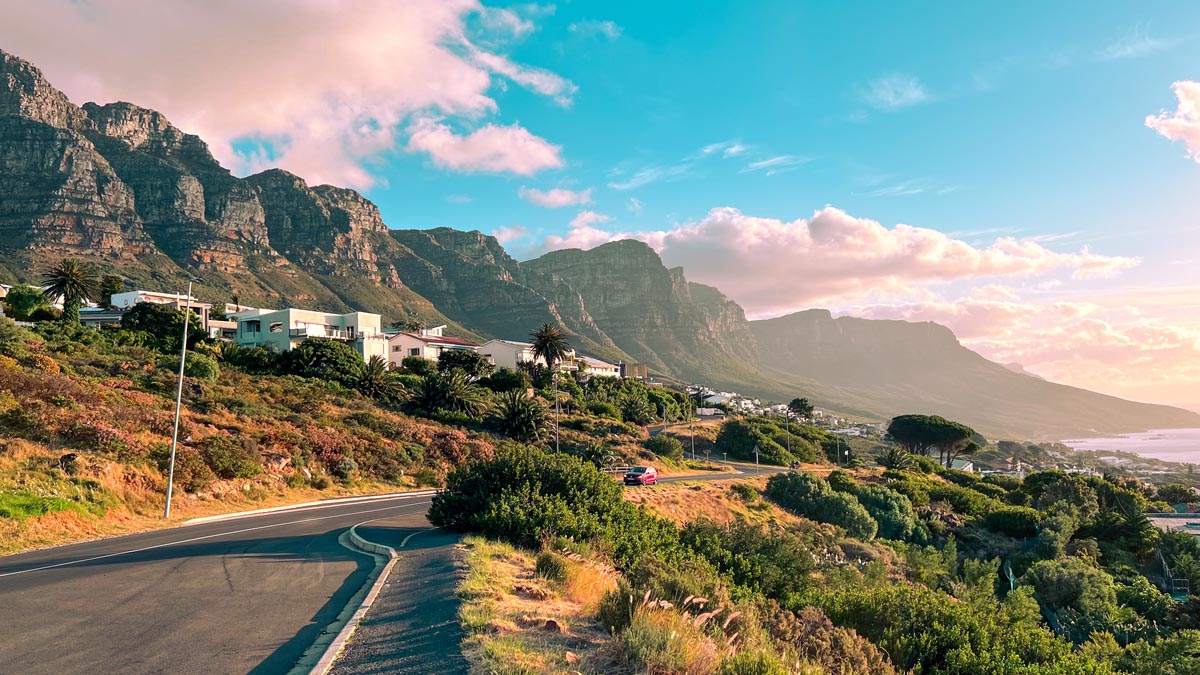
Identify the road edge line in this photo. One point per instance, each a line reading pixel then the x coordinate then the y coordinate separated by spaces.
pixel 291 507
pixel 385 560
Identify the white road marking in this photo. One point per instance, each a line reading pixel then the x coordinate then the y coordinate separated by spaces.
pixel 405 542
pixel 207 536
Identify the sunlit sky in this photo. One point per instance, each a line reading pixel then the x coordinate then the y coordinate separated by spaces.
pixel 1028 174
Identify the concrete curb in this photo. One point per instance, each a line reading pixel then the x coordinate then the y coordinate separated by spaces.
pixel 305 505
pixel 330 645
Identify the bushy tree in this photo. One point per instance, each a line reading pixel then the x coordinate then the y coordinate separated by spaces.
pixel 469 361
pixel 1014 521
pixel 921 434
pixel 110 285
pixel 325 359
pixel 801 408
pixel 201 367
pixel 1176 493
pixel 23 300
pixel 637 410
pixel 506 379
pixel 419 365
pixel 162 325
pixel 665 446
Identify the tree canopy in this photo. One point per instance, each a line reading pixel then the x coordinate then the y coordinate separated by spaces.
pixel 921 434
pixel 74 282
pixel 549 344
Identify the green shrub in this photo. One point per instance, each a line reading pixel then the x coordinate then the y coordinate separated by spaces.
pixel 231 458
pixel 551 566
pixel 890 509
pixel 325 359
pixel 201 367
pixel 665 446
pixel 811 497
pixel 963 500
pixel 192 473
pixel 506 379
pixel 841 481
pixel 419 365
pixel 604 409
pixel 745 491
pixel 1014 521
pixel 753 663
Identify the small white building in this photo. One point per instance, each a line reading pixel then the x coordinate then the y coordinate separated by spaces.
pixel 124 301
pixel 428 344
pixel 284 329
pixel 510 354
pixel 598 368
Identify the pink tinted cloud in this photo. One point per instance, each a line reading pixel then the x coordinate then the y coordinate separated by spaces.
pixel 556 197
pixel 490 149
pixel 1184 123
pixel 772 266
pixel 328 84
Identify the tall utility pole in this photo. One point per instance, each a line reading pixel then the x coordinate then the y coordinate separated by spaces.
pixel 692 432
pixel 187 315
pixel 556 410
pixel 787 416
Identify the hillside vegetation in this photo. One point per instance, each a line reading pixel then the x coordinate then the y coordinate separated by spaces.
pixel 914 570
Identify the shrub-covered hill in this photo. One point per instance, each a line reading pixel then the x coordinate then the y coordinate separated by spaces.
pixel 86 419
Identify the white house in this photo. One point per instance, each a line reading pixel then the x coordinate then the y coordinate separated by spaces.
pixel 428 344
pixel 508 354
pixel 285 328
pixel 599 368
pixel 124 301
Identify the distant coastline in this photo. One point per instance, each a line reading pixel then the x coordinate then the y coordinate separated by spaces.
pixel 1169 445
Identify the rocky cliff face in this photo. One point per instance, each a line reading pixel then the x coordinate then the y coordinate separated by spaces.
pixel 121 185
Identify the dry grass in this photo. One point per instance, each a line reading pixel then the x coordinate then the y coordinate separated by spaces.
pixel 117 498
pixel 506 610
pixel 715 500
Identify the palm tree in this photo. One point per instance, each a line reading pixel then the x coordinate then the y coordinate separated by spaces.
pixel 894 457
pixel 453 391
pixel 74 282
pixel 518 416
pixel 550 345
pixel 378 382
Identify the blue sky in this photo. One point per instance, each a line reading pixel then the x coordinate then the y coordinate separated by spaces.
pixel 1025 173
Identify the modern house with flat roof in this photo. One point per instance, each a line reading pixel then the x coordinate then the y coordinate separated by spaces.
pixel 428 344
pixel 284 329
pixel 597 368
pixel 509 354
pixel 124 301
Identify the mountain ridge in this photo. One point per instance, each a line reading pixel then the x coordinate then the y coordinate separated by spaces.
pixel 120 185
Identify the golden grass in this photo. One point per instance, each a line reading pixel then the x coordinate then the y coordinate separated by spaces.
pixel 715 500
pixel 506 606
pixel 136 493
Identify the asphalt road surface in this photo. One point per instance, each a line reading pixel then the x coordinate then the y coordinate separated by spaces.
pixel 248 595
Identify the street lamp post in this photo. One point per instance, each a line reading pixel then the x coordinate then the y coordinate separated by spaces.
pixel 187 314
pixel 692 432
pixel 787 417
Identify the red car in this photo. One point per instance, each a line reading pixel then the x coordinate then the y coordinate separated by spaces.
pixel 641 475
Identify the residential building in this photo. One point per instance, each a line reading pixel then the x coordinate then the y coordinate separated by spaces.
pixel 430 343
pixel 598 368
pixel 124 301
pixel 509 354
pixel 284 329
pixel 638 371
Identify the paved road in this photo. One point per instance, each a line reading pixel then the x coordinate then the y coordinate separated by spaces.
pixel 242 596
pixel 248 595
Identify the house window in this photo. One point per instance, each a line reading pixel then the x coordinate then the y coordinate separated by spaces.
pixel 415 351
pixel 276 327
pixel 395 348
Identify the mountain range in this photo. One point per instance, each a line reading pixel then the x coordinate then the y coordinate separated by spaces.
pixel 118 184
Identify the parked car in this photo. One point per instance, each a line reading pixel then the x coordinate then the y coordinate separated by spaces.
pixel 641 475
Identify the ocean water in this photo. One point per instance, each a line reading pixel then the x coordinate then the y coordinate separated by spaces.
pixel 1171 445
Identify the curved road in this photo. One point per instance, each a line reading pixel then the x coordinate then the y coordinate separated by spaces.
pixel 245 595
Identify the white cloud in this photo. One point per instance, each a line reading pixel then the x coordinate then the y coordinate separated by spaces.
pixel 592 27
pixel 588 218
pixel 727 149
pixel 489 149
pixel 1184 123
pixel 556 197
pixel 1136 44
pixel 582 233
pixel 777 164
pixel 772 266
pixel 634 205
pixel 895 91
pixel 327 86
pixel 506 234
pixel 652 174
